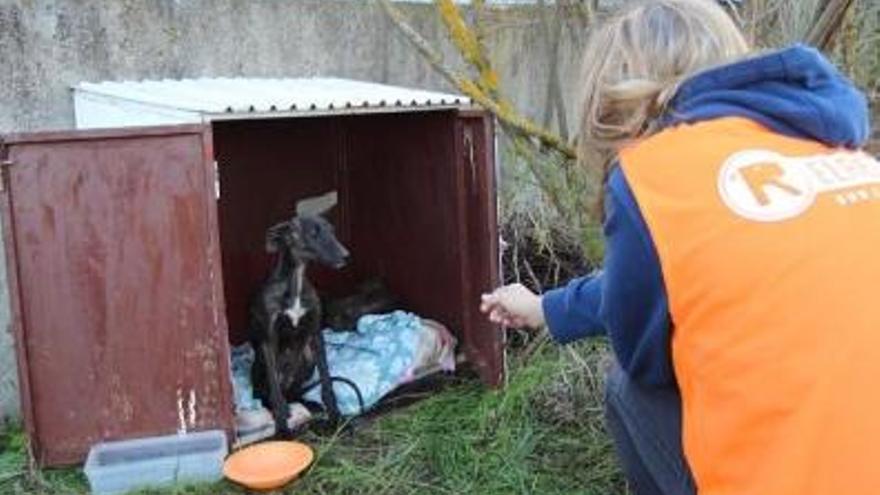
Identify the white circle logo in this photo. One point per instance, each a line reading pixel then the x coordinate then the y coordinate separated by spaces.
pixel 765 186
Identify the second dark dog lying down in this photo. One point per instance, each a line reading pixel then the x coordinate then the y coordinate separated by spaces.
pixel 285 316
pixel 371 297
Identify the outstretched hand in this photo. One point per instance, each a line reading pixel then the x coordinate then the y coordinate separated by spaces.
pixel 513 306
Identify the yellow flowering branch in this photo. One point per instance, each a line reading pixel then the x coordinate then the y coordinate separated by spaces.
pixel 483 90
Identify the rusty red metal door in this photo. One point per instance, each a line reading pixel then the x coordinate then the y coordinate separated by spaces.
pixel 114 270
pixel 483 341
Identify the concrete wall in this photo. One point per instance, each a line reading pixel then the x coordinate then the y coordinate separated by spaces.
pixel 48 45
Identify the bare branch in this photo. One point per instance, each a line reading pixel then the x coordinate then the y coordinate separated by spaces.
pixel 512 120
pixel 470 47
pixel 828 22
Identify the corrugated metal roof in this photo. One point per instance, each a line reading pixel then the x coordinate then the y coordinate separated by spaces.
pixel 235 96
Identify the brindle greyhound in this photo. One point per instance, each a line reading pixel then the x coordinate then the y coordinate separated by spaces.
pixel 285 316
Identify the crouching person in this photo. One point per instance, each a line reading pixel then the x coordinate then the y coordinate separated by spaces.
pixel 740 281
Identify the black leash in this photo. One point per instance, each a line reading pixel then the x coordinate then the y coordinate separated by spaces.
pixel 325 380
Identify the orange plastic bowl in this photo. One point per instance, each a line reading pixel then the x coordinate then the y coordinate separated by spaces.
pixel 268 465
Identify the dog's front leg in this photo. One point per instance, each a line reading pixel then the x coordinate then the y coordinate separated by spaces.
pixel 328 396
pixel 280 410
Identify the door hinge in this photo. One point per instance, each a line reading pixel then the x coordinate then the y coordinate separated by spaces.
pixel 4 153
pixel 5 162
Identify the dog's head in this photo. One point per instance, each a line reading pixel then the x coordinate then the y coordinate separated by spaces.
pixel 308 238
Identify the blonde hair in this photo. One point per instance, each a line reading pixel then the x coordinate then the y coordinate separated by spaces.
pixel 636 60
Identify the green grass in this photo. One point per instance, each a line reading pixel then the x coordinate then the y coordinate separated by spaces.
pixel 542 434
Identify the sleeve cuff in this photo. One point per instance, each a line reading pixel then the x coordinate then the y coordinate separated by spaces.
pixel 553 303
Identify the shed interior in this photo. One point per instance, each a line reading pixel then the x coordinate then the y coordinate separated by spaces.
pixel 399 212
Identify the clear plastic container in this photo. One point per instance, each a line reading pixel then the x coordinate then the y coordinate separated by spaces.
pixel 118 467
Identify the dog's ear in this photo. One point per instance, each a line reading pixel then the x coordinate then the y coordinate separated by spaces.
pixel 275 237
pixel 317 205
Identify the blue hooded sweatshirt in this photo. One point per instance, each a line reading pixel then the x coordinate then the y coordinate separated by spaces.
pixel 795 92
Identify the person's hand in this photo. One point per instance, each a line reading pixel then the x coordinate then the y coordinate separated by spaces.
pixel 513 306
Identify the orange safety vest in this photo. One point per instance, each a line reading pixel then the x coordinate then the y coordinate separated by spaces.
pixel 770 252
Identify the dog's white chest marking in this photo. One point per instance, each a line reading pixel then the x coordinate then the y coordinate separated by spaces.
pixel 297 311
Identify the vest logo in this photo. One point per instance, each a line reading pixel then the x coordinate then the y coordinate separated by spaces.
pixel 767 186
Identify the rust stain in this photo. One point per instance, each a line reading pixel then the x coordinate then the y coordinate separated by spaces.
pixel 49 220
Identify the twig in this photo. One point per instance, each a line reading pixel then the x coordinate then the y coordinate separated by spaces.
pixel 827 23
pixel 577 357
pixel 11 476
pixel 516 255
pixel 557 268
pixel 525 149
pixel 531 273
pixel 535 345
pixel 471 47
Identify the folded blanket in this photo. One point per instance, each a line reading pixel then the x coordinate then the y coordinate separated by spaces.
pixel 384 352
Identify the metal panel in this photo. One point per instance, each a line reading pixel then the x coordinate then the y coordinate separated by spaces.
pixel 265 168
pixel 97 111
pixel 476 156
pixel 128 103
pixel 117 296
pixel 404 228
pixel 415 223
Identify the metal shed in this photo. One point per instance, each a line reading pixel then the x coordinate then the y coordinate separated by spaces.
pixel 133 249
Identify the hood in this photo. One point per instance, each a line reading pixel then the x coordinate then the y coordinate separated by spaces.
pixel 795 91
